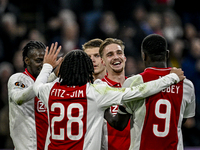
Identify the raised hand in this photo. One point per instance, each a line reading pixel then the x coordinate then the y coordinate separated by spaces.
pixel 51 55
pixel 179 73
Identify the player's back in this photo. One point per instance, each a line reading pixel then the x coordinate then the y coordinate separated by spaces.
pixel 76 116
pixel 67 116
pixel 162 120
pixel 162 114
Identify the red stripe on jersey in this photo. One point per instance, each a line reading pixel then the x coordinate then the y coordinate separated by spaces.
pixel 68 117
pixel 28 74
pixel 117 139
pixel 162 114
pixel 41 121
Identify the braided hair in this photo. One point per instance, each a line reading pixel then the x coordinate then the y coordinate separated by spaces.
pixel 31 45
pixel 76 69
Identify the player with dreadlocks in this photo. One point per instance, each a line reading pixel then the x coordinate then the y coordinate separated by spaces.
pixel 79 70
pixel 76 107
pixel 27 114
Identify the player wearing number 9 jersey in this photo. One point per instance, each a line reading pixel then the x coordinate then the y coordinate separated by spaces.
pixel 156 122
pixel 76 107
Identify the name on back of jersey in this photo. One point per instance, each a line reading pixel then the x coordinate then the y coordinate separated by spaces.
pixel 62 93
pixel 172 89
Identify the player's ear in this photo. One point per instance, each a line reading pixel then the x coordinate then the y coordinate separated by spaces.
pixel 102 61
pixel 167 54
pixel 27 61
pixel 125 57
pixel 143 56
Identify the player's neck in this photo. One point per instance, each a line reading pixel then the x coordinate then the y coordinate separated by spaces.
pixel 100 75
pixel 157 64
pixel 117 77
pixel 30 71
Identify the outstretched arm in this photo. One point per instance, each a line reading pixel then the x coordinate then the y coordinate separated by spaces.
pixel 50 62
pixel 120 120
pixel 147 89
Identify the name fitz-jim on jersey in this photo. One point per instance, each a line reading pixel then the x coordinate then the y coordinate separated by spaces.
pixel 76 113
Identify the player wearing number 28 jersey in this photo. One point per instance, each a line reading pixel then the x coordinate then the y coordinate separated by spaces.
pixel 76 112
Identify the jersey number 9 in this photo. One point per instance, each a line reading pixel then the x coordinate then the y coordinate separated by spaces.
pixel 165 116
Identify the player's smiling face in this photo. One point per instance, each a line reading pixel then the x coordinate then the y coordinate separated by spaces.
pixel 114 58
pixel 34 61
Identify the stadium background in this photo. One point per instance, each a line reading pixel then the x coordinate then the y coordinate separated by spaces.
pixel 73 22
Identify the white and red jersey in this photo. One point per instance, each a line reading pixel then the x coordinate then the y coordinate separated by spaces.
pixel 156 122
pixel 76 114
pixel 27 114
pixel 114 139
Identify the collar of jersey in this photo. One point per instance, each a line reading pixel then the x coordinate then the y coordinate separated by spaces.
pixel 28 74
pixel 160 69
pixel 110 82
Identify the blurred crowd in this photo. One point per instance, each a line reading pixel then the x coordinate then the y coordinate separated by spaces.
pixel 71 23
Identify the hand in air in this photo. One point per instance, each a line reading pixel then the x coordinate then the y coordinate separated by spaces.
pixel 179 73
pixel 51 55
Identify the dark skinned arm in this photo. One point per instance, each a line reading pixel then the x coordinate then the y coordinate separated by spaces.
pixel 184 120
pixel 118 121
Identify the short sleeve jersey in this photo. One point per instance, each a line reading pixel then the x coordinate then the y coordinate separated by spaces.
pixel 156 122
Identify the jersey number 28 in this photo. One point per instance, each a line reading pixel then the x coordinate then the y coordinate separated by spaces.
pixel 71 119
